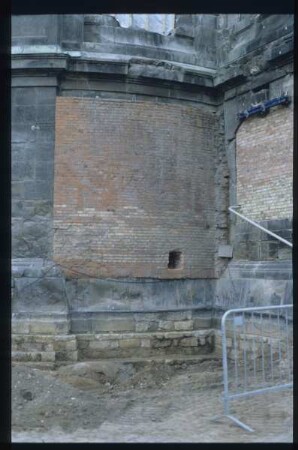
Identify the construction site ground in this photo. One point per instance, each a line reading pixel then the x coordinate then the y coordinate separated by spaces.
pixel 140 401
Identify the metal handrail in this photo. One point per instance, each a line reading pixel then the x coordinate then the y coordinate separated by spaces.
pixel 260 226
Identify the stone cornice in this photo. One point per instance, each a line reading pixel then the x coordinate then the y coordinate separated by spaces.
pixel 33 60
pixel 29 60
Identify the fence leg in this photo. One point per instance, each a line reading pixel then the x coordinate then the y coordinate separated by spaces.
pixel 226 402
pixel 240 424
pixel 226 406
pixel 239 316
pixel 234 419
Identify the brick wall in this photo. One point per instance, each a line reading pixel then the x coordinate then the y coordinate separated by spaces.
pixel 133 182
pixel 265 165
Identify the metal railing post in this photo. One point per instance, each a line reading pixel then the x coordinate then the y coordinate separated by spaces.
pixel 225 365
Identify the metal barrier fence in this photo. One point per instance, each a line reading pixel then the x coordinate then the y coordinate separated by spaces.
pixel 257 353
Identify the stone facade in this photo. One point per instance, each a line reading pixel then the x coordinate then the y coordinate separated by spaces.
pixel 127 150
pixel 33 141
pixel 111 335
pixel 253 244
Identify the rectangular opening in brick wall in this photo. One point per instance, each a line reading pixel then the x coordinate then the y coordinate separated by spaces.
pixel 175 260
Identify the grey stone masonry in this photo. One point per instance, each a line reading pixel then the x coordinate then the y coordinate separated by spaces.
pixel 38 287
pixel 127 345
pixel 32 140
pixel 219 64
pixel 258 283
pixel 253 244
pixel 142 294
pixel 142 322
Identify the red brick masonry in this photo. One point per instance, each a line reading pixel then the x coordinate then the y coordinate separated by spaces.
pixel 265 165
pixel 134 181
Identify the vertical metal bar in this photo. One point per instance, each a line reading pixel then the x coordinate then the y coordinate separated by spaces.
pixel 244 351
pixel 271 354
pixel 254 349
pixel 287 341
pixel 279 343
pixel 262 348
pixel 225 366
pixel 235 353
pixel 238 317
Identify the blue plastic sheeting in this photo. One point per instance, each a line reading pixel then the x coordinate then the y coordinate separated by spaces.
pixel 262 108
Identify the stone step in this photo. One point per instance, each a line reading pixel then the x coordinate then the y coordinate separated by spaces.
pixel 41 348
pixel 43 342
pixel 39 326
pixel 118 345
pixel 39 360
pixel 49 348
pixel 37 365
pixel 33 356
pixel 81 322
pixel 147 321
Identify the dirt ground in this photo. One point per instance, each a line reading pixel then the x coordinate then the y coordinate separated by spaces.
pixel 112 401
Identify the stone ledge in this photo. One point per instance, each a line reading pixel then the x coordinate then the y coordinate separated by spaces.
pixel 158 335
pixel 38 326
pixel 112 345
pixel 142 352
pixel 47 365
pixel 52 348
pixel 43 343
pixel 67 355
pixel 33 356
pixel 122 60
pixel 98 322
pixel 48 327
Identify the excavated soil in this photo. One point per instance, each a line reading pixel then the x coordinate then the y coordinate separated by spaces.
pixel 113 401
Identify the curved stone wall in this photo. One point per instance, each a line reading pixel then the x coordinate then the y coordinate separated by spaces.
pixel 124 147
